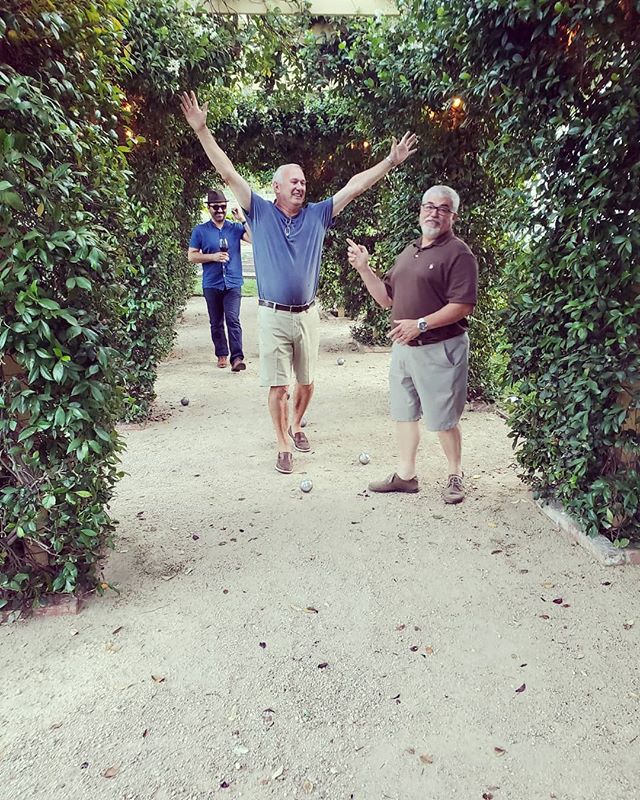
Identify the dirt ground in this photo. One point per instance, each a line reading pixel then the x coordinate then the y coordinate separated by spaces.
pixel 266 643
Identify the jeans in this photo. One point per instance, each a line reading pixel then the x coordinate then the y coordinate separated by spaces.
pixel 223 306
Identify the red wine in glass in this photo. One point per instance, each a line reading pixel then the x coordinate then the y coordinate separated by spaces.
pixel 224 245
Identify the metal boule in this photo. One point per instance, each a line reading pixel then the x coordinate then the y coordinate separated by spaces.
pixel 364 458
pixel 306 485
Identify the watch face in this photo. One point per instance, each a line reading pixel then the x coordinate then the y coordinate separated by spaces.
pixel 422 325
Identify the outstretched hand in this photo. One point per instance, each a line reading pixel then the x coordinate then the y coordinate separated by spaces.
pixel 195 116
pixel 401 150
pixel 358 255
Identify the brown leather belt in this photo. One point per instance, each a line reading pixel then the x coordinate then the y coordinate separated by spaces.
pixel 280 307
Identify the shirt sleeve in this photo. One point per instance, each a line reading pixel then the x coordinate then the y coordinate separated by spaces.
pixel 387 283
pixel 462 283
pixel 255 213
pixel 196 241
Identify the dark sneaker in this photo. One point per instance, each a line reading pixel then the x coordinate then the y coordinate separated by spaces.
pixel 284 463
pixel 300 441
pixel 454 492
pixel 238 365
pixel 392 483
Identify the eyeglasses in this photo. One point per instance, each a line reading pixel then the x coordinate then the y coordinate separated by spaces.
pixel 218 206
pixel 440 210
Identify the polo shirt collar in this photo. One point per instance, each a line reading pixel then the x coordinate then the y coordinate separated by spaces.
pixel 443 239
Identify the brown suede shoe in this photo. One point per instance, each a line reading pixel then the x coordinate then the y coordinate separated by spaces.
pixel 284 463
pixel 223 362
pixel 454 491
pixel 300 441
pixel 238 365
pixel 392 483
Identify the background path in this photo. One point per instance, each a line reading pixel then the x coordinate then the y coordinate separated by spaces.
pixel 269 644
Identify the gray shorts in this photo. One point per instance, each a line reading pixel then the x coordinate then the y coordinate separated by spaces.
pixel 430 381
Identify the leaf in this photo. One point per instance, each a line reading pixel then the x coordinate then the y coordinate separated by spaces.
pixel 521 689
pixel 158 678
pixel 117 630
pixel 311 610
pixel 323 665
pixel 426 759
pixel 277 773
pixel 499 751
pixel 111 772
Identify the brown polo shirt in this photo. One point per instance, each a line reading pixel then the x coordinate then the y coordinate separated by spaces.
pixel 424 279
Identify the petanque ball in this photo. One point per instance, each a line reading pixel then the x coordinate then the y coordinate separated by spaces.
pixel 306 485
pixel 184 401
pixel 340 361
pixel 364 458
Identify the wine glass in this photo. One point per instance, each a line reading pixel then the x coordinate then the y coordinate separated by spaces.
pixel 224 245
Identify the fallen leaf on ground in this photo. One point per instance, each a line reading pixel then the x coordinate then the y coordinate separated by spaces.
pixel 117 630
pixel 548 584
pixel 277 773
pixel 323 665
pixel 110 647
pixel 158 678
pixel 168 577
pixel 145 732
pixel 411 751
pixel 628 624
pixel 426 759
pixel 400 627
pixel 495 552
pixel 74 632
pixel 311 610
pixel 499 751
pixel 544 616
pixel 55 726
pixel 558 601
pixel 111 772
pixel 521 688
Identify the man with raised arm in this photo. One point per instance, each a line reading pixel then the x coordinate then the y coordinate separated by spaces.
pixel 287 243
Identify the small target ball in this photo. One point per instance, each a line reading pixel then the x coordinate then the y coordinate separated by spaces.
pixel 364 458
pixel 306 485
pixel 184 401
pixel 340 361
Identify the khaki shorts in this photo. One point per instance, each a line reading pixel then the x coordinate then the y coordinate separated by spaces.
pixel 430 381
pixel 288 343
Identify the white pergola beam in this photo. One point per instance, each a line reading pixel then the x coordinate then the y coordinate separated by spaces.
pixel 351 8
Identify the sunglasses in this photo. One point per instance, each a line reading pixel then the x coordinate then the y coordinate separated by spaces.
pixel 218 206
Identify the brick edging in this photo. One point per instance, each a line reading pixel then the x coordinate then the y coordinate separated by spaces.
pixel 598 546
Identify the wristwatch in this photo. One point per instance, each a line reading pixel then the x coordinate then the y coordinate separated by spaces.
pixel 422 325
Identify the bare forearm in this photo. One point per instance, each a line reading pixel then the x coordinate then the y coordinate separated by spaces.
pixel 365 180
pixel 447 315
pixel 224 166
pixel 375 287
pixel 202 258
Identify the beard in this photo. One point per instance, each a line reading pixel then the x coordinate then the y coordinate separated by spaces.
pixel 430 227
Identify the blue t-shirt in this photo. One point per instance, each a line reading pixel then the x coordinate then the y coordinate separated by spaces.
pixel 206 238
pixel 288 266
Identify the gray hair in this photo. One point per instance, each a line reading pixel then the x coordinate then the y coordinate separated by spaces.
pixel 278 175
pixel 447 191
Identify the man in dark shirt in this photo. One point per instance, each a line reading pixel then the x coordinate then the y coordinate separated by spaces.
pixel 431 288
pixel 216 245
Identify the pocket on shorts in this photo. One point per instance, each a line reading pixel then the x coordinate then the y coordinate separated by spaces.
pixel 456 349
